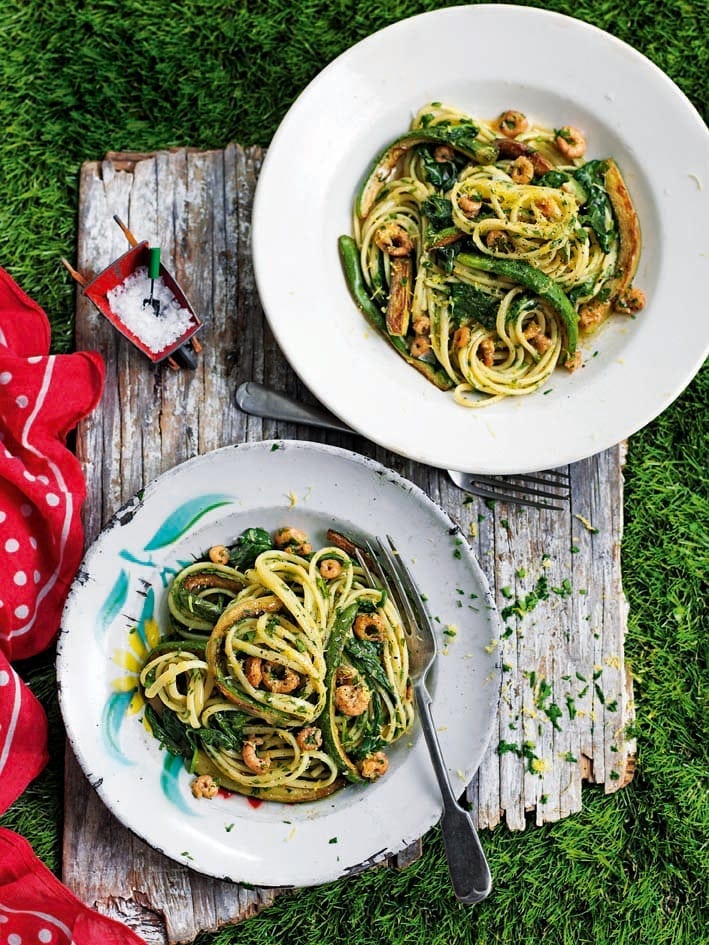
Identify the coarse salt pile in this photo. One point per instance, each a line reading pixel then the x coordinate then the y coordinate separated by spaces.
pixel 155 331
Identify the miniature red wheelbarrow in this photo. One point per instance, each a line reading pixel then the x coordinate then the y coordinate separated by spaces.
pixel 180 351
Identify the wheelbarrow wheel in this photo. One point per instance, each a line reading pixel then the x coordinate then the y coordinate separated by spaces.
pixel 185 357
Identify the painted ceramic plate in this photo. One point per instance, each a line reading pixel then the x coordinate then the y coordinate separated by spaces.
pixel 117 607
pixel 484 59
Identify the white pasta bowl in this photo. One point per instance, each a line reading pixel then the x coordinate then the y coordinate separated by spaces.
pixel 119 601
pixel 482 60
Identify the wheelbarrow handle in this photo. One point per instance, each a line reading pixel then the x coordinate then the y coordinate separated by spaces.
pixel 128 235
pixel 75 274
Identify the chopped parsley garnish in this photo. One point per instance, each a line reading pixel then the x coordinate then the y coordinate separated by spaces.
pixel 565 590
pixel 527 603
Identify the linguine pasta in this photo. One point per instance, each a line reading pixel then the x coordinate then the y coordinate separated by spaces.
pixel 483 249
pixel 285 673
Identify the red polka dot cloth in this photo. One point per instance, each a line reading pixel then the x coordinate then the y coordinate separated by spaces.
pixel 35 909
pixel 42 488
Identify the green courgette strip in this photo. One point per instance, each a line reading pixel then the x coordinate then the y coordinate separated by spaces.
pixel 333 659
pixel 190 597
pixel 349 254
pixel 535 280
pixel 196 647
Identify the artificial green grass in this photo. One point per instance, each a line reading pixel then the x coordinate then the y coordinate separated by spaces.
pixel 81 79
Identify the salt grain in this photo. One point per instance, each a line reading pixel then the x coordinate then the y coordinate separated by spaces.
pixel 155 331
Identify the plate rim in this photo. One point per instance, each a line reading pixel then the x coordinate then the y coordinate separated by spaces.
pixel 131 508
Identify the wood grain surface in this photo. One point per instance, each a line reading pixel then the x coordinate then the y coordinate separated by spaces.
pixel 565 652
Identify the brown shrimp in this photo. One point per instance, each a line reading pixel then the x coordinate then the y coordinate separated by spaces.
pixel 419 346
pixel 219 554
pixel 512 123
pixel 292 539
pixel 351 700
pixel 204 786
pixel 499 241
pixel 522 170
pixel 421 325
pixel 370 627
pixel 309 738
pixel 573 361
pixel 277 678
pixel 253 671
pixel 330 568
pixel 461 337
pixel 393 240
pixel 632 301
pixel 469 207
pixel 373 766
pixel 443 153
pixel 570 142
pixel 251 759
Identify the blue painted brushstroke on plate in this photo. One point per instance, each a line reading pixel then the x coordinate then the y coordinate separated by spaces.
pixel 184 517
pixel 170 784
pixel 113 714
pixel 146 614
pixel 111 607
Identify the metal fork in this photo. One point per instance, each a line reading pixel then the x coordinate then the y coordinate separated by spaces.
pixel 467 864
pixel 255 398
pixel 520 490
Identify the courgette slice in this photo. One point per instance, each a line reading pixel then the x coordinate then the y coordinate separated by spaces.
pixel 196 612
pixel 349 254
pixel 628 228
pixel 249 705
pixel 629 246
pixel 482 152
pixel 195 647
pixel 327 723
pixel 398 310
pixel 446 237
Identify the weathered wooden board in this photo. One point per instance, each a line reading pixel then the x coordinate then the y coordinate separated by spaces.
pixel 565 652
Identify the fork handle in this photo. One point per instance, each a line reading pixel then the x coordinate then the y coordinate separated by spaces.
pixel 261 401
pixel 467 864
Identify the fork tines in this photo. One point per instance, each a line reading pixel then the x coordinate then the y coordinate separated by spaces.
pixel 523 489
